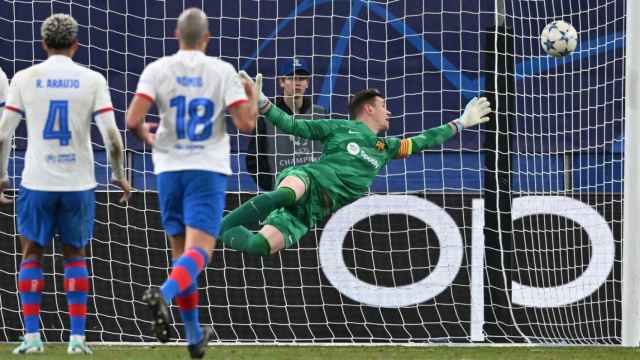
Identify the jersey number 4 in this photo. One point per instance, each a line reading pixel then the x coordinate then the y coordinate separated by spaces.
pixel 57 125
pixel 199 125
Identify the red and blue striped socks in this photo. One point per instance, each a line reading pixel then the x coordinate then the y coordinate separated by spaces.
pixel 76 284
pixel 187 302
pixel 185 273
pixel 183 285
pixel 30 285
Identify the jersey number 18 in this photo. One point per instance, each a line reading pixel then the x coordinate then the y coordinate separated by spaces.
pixel 199 125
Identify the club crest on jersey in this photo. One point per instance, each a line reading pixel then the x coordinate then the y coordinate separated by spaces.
pixel 353 148
pixel 380 145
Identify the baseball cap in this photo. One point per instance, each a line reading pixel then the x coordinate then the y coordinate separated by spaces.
pixel 291 66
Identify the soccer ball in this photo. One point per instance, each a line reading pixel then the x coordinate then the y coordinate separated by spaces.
pixel 559 38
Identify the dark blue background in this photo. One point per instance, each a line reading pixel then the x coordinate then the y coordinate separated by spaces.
pixel 425 55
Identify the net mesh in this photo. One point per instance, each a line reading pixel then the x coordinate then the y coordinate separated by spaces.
pixel 431 254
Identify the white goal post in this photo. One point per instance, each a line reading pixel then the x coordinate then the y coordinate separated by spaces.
pixel 631 250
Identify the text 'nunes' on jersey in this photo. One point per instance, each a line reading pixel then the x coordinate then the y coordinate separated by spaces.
pixel 191 91
pixel 58 98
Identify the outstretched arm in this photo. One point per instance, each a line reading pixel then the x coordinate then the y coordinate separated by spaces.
pixel 475 112
pixel 430 138
pixel 308 129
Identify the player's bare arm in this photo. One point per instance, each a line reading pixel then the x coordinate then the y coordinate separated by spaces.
pixel 136 112
pixel 113 142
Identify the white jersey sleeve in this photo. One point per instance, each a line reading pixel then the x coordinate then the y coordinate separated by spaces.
pixel 14 97
pixel 147 83
pixel 4 88
pixel 102 101
pixel 5 141
pixel 234 91
pixel 106 123
pixel 13 107
pixel 7 125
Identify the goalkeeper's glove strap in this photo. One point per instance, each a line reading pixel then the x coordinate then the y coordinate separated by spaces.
pixel 458 124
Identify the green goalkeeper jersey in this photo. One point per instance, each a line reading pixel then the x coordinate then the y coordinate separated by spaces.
pixel 353 155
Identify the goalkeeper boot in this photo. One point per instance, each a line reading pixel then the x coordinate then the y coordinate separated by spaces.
pixel 197 350
pixel 77 345
pixel 30 344
pixel 159 312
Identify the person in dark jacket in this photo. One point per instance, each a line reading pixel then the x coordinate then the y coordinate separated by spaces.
pixel 269 151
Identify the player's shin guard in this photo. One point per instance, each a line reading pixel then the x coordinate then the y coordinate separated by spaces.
pixel 76 285
pixel 256 210
pixel 30 284
pixel 185 272
pixel 241 239
pixel 188 304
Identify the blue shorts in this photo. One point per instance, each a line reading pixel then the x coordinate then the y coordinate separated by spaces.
pixel 193 198
pixel 42 214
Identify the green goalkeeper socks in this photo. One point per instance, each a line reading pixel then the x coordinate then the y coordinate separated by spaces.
pixel 237 237
pixel 258 208
pixel 241 239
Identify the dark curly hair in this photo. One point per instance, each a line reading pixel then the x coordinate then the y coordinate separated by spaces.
pixel 59 31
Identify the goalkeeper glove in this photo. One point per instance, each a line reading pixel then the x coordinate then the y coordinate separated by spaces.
pixel 474 113
pixel 262 99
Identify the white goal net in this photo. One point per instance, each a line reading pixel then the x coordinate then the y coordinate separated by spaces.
pixel 510 233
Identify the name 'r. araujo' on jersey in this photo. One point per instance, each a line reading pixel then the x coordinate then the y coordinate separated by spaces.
pixel 353 155
pixel 58 98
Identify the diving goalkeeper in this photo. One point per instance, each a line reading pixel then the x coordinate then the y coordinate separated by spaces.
pixel 352 157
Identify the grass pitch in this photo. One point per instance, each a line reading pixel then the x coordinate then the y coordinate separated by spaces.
pixel 58 351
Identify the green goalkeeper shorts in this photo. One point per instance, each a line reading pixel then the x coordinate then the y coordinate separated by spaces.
pixel 295 221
